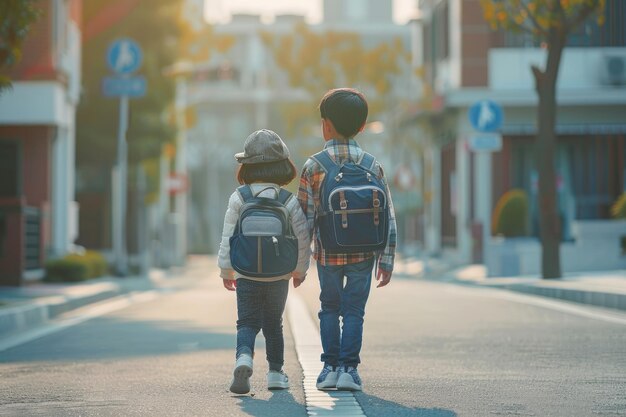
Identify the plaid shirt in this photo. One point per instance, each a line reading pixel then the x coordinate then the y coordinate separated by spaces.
pixel 309 197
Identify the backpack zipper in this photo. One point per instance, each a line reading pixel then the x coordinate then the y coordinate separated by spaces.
pixel 275 242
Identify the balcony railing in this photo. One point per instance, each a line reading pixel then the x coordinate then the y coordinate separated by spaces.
pixel 32 238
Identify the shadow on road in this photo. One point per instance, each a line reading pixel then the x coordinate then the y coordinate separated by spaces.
pixel 107 338
pixel 280 404
pixel 375 406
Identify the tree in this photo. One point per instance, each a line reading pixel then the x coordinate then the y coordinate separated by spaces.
pixel 550 22
pixel 319 61
pixel 166 35
pixel 153 26
pixel 17 19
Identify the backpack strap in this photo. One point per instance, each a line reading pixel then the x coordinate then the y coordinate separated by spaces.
pixel 368 161
pixel 284 196
pixel 325 161
pixel 245 192
pixel 267 188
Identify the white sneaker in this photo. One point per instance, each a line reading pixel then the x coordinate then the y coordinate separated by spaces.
pixel 277 380
pixel 349 379
pixel 242 374
pixel 327 378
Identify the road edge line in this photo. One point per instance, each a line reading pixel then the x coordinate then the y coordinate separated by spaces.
pixel 308 348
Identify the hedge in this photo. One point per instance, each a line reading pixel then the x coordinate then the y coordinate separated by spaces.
pixel 618 210
pixel 76 267
pixel 510 217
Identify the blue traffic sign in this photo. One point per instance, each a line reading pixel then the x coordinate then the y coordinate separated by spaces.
pixel 124 56
pixel 486 116
pixel 129 87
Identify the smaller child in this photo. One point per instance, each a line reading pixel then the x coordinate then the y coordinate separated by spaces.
pixel 265 166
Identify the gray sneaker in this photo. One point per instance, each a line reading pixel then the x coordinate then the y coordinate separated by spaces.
pixel 242 374
pixel 348 379
pixel 327 378
pixel 277 380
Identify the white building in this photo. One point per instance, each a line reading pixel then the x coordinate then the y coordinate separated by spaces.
pixel 245 89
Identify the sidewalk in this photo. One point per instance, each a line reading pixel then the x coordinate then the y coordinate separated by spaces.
pixel 605 289
pixel 24 308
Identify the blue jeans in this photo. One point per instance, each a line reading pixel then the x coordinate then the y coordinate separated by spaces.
pixel 342 345
pixel 260 305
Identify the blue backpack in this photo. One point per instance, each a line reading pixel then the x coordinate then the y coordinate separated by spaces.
pixel 354 206
pixel 263 244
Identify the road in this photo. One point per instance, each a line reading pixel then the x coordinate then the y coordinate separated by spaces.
pixel 430 349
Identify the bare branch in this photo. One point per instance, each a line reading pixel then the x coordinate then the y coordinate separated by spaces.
pixel 538 74
pixel 527 29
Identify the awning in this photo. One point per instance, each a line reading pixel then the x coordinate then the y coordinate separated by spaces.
pixel 568 129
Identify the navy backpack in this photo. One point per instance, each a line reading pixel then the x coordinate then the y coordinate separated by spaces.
pixel 354 206
pixel 263 244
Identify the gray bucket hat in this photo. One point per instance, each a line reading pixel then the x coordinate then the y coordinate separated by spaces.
pixel 261 147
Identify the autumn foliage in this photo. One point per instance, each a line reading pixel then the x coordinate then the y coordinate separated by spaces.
pixel 318 61
pixel 540 16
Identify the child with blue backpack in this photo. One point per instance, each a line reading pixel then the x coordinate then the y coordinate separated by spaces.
pixel 345 197
pixel 265 243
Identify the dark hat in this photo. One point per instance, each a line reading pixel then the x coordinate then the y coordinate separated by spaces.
pixel 261 147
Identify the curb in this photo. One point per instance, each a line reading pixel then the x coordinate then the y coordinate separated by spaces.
pixel 611 300
pixel 34 313
pixel 614 301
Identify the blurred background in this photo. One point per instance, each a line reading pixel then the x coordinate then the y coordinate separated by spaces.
pixel 119 120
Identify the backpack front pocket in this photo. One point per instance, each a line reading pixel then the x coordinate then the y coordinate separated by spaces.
pixel 356 220
pixel 275 255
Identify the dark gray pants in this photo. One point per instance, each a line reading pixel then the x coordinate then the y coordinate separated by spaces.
pixel 260 306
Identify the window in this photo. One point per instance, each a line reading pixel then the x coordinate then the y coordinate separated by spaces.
pixel 613 32
pixel 9 169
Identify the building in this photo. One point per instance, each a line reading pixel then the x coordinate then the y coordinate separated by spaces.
pixel 461 62
pixel 38 215
pixel 244 88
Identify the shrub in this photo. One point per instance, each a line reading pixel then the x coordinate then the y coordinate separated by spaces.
pixel 618 210
pixel 66 270
pixel 510 217
pixel 99 263
pixel 76 267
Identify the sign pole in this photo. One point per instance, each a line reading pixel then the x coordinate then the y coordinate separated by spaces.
pixel 486 117
pixel 124 57
pixel 119 243
pixel 482 183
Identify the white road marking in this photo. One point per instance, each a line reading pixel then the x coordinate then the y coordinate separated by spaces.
pixel 563 306
pixel 309 348
pixel 78 316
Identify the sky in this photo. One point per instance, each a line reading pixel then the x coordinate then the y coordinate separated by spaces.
pixel 218 11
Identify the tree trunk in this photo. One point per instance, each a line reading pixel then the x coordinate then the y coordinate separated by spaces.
pixel 545 147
